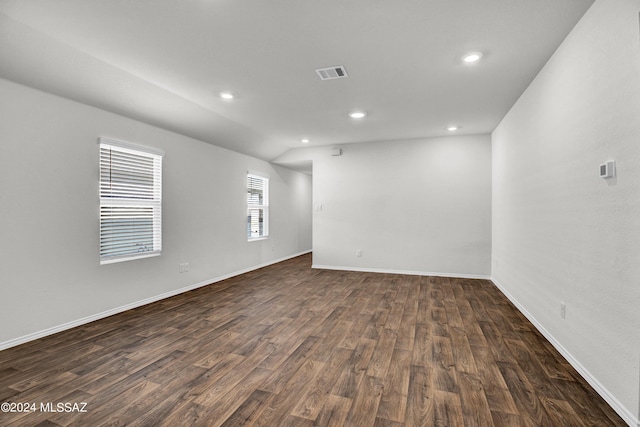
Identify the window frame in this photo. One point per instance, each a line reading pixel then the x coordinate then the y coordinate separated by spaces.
pixel 116 202
pixel 264 207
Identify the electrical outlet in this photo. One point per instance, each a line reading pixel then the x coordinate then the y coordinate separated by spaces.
pixel 183 267
pixel 563 310
pixel 358 253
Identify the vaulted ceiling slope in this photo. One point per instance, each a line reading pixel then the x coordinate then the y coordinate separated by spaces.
pixel 165 62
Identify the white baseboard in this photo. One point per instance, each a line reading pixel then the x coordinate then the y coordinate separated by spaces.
pixel 59 328
pixel 407 272
pixel 624 413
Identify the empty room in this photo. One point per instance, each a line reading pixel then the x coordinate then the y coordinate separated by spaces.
pixel 342 213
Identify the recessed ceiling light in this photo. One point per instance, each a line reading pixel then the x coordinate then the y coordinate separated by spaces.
pixel 305 140
pixel 472 57
pixel 357 114
pixel 227 95
pixel 453 128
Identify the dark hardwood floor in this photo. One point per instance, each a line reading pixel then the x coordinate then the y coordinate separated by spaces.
pixel 290 346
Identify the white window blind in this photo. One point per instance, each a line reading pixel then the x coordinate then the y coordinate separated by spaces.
pixel 257 206
pixel 130 201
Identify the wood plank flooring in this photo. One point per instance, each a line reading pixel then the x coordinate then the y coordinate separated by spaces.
pixel 287 345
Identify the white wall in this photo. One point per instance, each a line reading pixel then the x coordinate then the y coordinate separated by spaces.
pixel 561 233
pixel 50 273
pixel 420 206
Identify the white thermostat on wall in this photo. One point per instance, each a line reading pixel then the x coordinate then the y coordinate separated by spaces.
pixel 608 169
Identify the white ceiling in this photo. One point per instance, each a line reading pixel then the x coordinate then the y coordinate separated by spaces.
pixel 164 62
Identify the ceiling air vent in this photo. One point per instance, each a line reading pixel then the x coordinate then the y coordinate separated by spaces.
pixel 331 73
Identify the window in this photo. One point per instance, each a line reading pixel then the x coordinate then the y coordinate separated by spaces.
pixel 130 201
pixel 257 206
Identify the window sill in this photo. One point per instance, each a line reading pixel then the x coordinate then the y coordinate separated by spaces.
pixel 255 239
pixel 128 258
